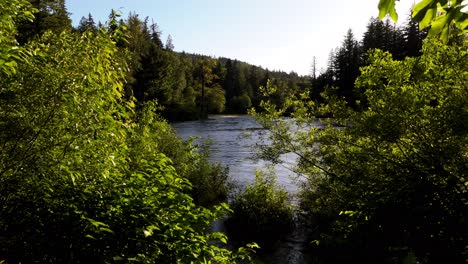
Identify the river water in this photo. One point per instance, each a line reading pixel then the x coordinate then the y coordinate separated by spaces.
pixel 232 143
pixel 232 140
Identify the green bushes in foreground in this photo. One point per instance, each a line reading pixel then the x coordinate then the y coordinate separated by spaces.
pixel 210 182
pixel 83 176
pixel 262 212
pixel 390 183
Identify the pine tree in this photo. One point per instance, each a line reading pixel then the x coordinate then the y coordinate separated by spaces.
pixel 169 43
pixel 413 38
pixel 87 24
pixel 138 37
pixel 155 35
pixel 229 81
pixel 52 15
pixel 313 69
pixel 346 62
pixel 384 35
pixel 254 81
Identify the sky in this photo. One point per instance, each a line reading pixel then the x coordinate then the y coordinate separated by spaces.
pixel 275 34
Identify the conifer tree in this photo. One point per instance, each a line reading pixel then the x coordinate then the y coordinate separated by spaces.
pixel 87 24
pixel 346 63
pixel 51 15
pixel 413 38
pixel 169 44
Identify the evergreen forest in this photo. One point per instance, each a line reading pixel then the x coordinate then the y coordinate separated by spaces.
pixel 91 170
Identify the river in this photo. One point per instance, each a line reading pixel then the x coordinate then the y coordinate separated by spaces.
pixel 232 140
pixel 232 143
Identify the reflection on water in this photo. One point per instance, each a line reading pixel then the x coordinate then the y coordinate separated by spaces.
pixel 232 140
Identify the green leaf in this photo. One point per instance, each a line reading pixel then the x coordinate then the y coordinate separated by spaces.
pixel 387 7
pixel 91 237
pixel 105 229
pixel 253 245
pixel 424 12
pixel 461 20
pixel 441 26
pixel 223 239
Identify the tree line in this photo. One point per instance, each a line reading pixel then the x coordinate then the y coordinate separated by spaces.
pixel 91 173
pixel 345 61
pixel 190 86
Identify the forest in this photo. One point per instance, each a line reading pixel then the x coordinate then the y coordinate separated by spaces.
pixel 191 86
pixel 91 170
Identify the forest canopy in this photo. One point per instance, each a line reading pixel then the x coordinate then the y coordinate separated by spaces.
pixel 91 171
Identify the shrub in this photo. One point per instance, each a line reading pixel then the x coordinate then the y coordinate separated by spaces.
pixel 240 104
pixel 262 212
pixel 210 182
pixel 82 179
pixel 390 183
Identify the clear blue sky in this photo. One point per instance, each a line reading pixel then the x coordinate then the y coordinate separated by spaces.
pixel 277 34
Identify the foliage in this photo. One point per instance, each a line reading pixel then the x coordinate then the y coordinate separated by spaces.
pixel 344 61
pixel 187 86
pixel 51 15
pixel 240 104
pixel 209 182
pixel 439 15
pixel 87 24
pixel 388 180
pixel 262 211
pixel 215 100
pixel 9 49
pixel 82 179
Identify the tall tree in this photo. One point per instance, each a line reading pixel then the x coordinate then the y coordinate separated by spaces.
pixel 346 63
pixel 52 15
pixel 313 68
pixel 169 44
pixel 413 37
pixel 87 24
pixel 206 80
pixel 384 35
pixel 254 80
pixel 155 33
pixel 230 82
pixel 137 39
pixel 154 67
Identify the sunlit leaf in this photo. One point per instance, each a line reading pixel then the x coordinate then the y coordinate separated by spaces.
pixel 387 7
pixel 424 12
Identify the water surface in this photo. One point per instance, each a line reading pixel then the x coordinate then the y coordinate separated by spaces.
pixel 233 139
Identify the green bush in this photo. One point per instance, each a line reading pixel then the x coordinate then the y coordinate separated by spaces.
pixel 240 104
pixel 210 182
pixel 390 182
pixel 83 178
pixel 262 212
